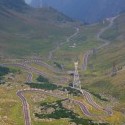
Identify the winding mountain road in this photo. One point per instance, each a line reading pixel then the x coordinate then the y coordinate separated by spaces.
pixel 42 63
pixel 99 38
pixel 33 70
pixel 30 69
pixel 26 109
pixel 87 95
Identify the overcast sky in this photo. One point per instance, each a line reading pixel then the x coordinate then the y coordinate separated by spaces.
pixel 28 1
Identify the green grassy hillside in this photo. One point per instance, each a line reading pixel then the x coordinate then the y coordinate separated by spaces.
pixel 33 31
pixel 41 31
pixel 114 54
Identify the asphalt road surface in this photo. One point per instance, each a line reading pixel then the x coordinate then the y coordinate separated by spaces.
pixel 87 95
pixel 99 38
pixel 42 63
pixel 26 109
pixel 31 70
pixel 34 70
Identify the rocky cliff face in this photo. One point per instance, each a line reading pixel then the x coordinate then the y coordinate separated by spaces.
pixel 85 10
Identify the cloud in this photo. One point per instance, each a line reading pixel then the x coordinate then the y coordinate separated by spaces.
pixel 27 1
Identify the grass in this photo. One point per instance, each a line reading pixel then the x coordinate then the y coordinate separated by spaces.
pixel 33 104
pixel 106 57
pixel 24 36
pixel 116 30
pixel 54 122
pixel 99 81
pixel 65 113
pixel 99 97
pixel 74 94
pixel 114 53
pixel 10 105
pixel 61 112
pixel 46 86
pixel 44 83
pixel 84 40
pixel 44 69
pixel 32 32
pixel 10 108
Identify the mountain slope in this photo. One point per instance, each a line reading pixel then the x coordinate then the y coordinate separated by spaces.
pixel 28 31
pixel 18 5
pixel 106 58
pixel 85 10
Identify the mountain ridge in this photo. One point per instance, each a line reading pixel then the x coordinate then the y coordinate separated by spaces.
pixel 87 11
pixel 17 5
pixel 24 29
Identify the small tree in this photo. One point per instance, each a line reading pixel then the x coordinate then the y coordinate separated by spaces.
pixel 42 79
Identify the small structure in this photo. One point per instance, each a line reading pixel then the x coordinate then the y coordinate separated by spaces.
pixel 114 70
pixel 73 46
pixel 76 82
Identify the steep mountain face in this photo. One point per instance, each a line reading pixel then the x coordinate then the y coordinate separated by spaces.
pixel 85 10
pixel 36 3
pixel 18 5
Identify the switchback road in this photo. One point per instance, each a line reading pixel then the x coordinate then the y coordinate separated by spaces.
pixel 26 109
pixel 34 70
pixel 99 38
pixel 42 63
pixel 87 95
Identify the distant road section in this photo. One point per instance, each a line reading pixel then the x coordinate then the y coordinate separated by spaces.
pixel 98 36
